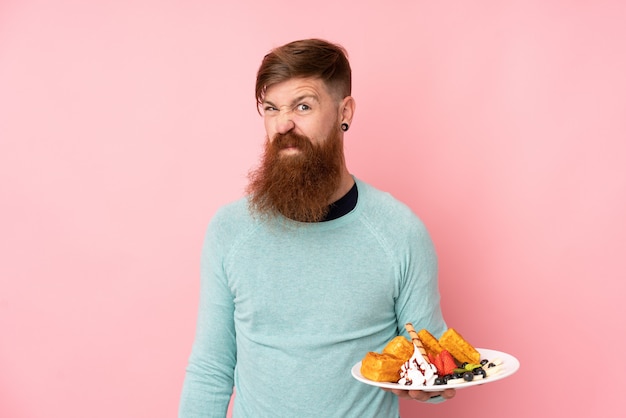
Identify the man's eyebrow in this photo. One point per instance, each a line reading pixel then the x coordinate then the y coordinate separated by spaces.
pixel 268 103
pixel 305 96
pixel 295 101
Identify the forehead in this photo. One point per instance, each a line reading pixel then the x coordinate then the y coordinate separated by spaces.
pixel 294 88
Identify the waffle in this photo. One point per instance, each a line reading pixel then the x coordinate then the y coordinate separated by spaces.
pixel 399 347
pixel 460 349
pixel 381 367
pixel 385 366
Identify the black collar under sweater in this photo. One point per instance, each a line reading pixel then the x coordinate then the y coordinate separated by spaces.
pixel 342 206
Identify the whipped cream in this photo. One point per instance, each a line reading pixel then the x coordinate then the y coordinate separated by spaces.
pixel 417 371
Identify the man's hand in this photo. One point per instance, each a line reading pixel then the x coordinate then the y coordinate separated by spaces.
pixel 420 395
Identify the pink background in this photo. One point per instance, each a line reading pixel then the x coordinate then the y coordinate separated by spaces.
pixel 125 125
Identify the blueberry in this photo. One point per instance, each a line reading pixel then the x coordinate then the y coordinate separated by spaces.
pixel 468 376
pixel 440 381
pixel 480 371
pixel 491 365
pixel 484 361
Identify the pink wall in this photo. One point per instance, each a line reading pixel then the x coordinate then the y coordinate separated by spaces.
pixel 123 128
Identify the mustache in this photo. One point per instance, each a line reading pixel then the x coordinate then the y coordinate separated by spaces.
pixel 291 139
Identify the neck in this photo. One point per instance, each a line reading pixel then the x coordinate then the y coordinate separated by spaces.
pixel 346 183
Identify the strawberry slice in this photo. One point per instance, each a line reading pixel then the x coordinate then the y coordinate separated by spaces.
pixel 438 363
pixel 448 363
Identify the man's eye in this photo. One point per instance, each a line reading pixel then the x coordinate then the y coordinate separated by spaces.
pixel 269 109
pixel 303 107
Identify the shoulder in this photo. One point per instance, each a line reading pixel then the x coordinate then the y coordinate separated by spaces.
pixel 383 206
pixel 230 221
pixel 390 218
pixel 398 229
pixel 232 213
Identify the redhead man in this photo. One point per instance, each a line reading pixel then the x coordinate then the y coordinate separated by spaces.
pixel 311 269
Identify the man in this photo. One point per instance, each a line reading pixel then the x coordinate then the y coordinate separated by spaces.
pixel 312 269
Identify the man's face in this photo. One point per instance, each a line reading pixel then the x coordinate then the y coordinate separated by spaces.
pixel 303 159
pixel 303 106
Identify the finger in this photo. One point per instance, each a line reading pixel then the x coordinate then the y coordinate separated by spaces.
pixel 404 394
pixel 421 396
pixel 448 393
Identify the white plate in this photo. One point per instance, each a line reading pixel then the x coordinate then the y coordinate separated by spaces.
pixel 509 366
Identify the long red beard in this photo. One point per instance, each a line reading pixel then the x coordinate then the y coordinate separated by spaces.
pixel 299 186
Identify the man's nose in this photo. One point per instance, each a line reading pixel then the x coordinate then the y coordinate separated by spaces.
pixel 284 122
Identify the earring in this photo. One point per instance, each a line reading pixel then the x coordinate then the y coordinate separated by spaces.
pixel 345 127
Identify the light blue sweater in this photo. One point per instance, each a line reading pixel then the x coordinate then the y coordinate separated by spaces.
pixel 287 308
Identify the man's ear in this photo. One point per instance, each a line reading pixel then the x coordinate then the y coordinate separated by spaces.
pixel 347 108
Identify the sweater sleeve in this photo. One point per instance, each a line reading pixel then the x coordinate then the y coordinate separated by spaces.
pixel 208 383
pixel 418 301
